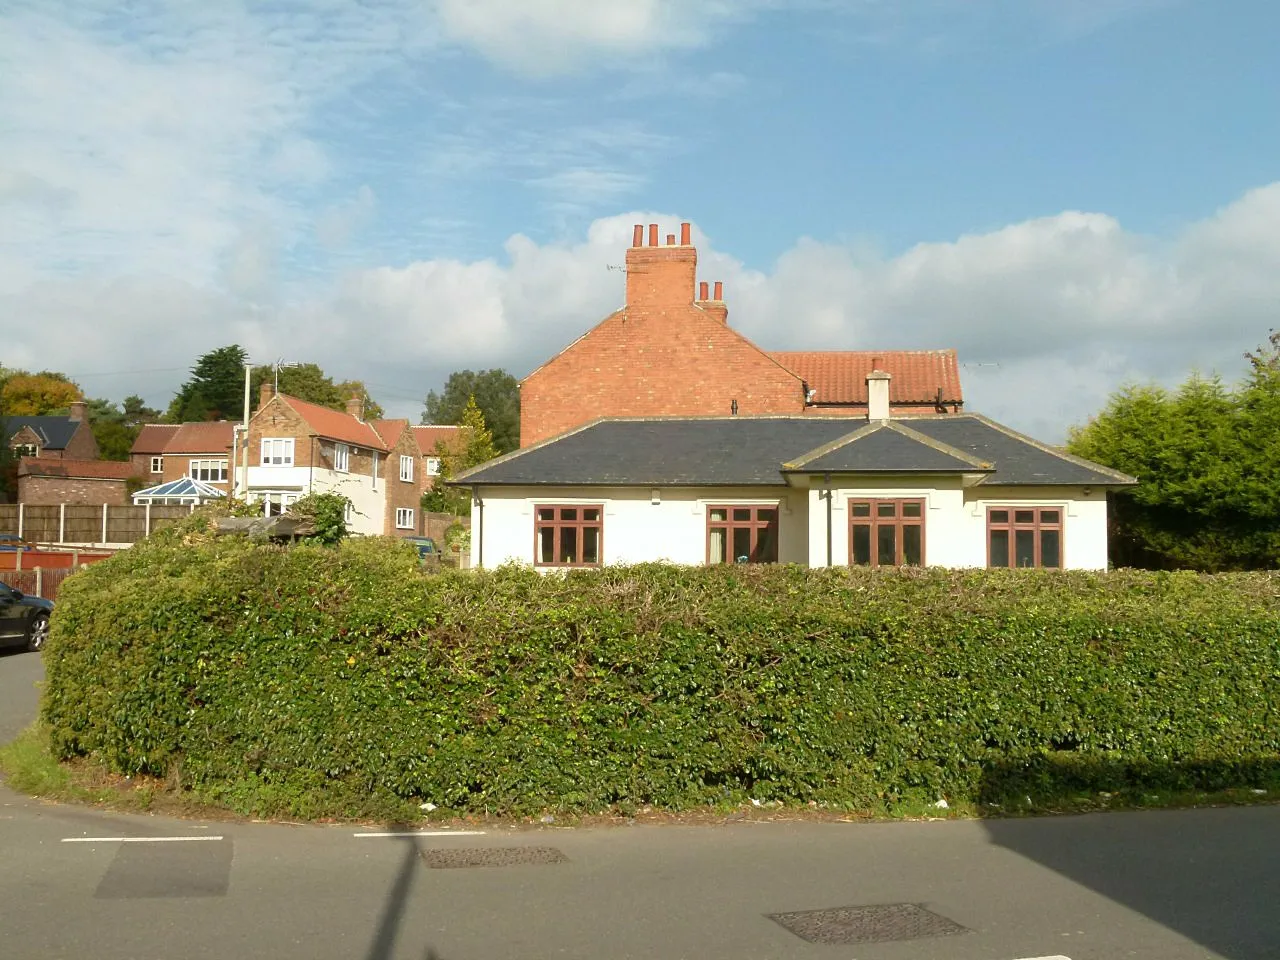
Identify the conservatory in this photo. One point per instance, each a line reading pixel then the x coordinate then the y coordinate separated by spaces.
pixel 184 491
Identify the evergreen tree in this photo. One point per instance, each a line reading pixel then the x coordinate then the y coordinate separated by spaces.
pixel 215 390
pixel 495 392
pixel 474 446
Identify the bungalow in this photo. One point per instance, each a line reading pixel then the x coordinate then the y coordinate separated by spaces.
pixel 954 489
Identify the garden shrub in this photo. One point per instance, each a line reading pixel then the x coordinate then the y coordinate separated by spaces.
pixel 344 681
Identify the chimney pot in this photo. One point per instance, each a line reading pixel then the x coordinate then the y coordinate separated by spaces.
pixel 78 410
pixel 355 407
pixel 703 290
pixel 637 236
pixel 719 291
pixel 684 235
pixel 653 234
pixel 671 239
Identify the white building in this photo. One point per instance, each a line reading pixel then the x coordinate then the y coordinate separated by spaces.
pixel 953 490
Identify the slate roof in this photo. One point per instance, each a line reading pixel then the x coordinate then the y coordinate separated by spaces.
pixel 54 432
pixel 756 451
pixel 890 447
pixel 840 376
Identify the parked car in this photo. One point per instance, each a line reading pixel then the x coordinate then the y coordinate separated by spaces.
pixel 10 543
pixel 24 621
pixel 426 546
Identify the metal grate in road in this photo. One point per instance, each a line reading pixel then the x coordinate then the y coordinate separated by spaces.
pixel 456 857
pixel 868 924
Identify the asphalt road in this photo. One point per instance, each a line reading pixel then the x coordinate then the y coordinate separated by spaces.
pixel 1157 886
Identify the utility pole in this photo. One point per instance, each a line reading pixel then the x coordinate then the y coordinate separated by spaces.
pixel 244 438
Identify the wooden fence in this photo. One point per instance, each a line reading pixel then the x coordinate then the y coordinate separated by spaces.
pixel 77 523
pixel 36 583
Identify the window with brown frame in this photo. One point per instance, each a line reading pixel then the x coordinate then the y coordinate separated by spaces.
pixel 568 535
pixel 742 533
pixel 886 533
pixel 1024 537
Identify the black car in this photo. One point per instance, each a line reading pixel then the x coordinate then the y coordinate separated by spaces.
pixel 24 621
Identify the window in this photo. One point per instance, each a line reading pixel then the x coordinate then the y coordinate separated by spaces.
pixel 276 504
pixel 157 464
pixel 27 450
pixel 404 518
pixel 277 451
pixel 568 536
pixel 1026 537
pixel 406 469
pixel 433 466
pixel 742 534
pixel 210 471
pixel 886 533
pixel 341 458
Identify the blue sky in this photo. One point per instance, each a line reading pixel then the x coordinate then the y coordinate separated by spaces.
pixel 1072 194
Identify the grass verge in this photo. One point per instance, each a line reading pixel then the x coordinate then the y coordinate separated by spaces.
pixel 29 767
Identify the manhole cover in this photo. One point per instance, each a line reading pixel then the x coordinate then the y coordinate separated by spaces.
pixel 443 859
pixel 873 924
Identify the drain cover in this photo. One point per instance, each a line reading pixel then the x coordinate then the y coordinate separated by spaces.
pixel 443 859
pixel 873 924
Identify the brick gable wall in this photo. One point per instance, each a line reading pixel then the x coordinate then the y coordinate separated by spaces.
pixel 401 493
pixel 82 445
pixel 662 354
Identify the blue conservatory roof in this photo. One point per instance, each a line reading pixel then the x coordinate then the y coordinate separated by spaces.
pixel 182 487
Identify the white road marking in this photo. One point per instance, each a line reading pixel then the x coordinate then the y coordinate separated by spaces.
pixel 1056 956
pixel 134 839
pixel 425 833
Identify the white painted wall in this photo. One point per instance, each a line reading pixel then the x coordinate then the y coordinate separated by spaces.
pixel 636 530
pixel 368 498
pixel 956 519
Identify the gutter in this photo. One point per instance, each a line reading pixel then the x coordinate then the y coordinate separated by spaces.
pixel 475 495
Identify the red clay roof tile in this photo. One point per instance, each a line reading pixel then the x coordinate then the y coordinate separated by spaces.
pixel 840 376
pixel 336 424
pixel 214 436
pixel 153 437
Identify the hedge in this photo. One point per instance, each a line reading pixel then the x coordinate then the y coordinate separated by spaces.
pixel 322 681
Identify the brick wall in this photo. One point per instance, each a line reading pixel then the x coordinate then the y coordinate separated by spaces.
pixel 54 490
pixel 400 493
pixel 178 465
pixel 661 355
pixel 82 445
pixel 275 418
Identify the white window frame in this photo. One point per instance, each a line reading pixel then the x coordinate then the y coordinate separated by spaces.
pixel 341 458
pixel 157 464
pixel 406 469
pixel 433 466
pixel 279 498
pixel 404 518
pixel 277 452
pixel 216 470
pixel 374 472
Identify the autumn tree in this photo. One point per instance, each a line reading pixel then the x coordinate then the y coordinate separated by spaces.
pixel 37 394
pixel 474 447
pixel 495 392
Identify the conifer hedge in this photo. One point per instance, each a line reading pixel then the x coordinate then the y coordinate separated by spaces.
pixel 343 681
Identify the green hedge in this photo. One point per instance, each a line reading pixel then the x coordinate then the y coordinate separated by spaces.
pixel 319 681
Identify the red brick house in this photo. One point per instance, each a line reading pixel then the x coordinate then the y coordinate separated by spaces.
pixel 200 450
pixel 669 351
pixel 53 437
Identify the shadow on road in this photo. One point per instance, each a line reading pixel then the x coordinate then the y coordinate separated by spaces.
pixel 1210 875
pixel 393 910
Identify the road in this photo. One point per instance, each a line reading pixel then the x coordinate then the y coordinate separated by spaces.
pixel 1156 886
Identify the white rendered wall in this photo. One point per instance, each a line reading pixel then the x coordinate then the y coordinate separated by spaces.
pixel 956 519
pixel 368 503
pixel 636 530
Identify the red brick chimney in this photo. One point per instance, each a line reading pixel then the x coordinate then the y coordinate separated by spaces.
pixel 266 393
pixel 660 276
pixel 78 410
pixel 355 407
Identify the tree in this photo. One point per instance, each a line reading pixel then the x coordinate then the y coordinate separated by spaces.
pixel 37 394
pixel 114 434
pixel 136 411
pixel 215 390
pixel 495 392
pixel 477 448
pixel 1208 468
pixel 307 381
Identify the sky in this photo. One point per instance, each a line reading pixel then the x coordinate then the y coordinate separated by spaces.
pixel 1073 195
